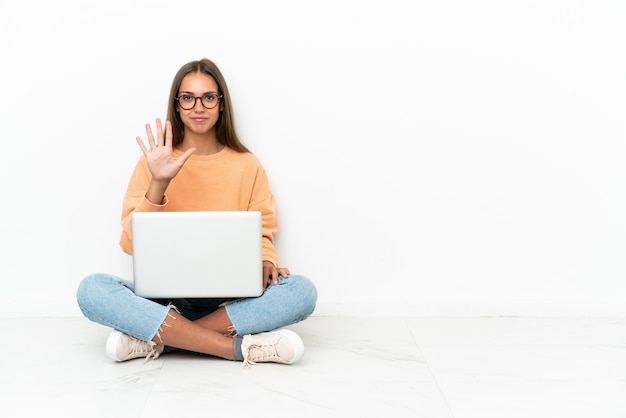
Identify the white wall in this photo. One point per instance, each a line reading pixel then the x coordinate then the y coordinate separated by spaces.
pixel 429 157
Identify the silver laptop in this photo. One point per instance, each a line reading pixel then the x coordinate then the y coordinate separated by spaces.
pixel 197 254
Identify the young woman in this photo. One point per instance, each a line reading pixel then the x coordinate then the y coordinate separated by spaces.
pixel 197 162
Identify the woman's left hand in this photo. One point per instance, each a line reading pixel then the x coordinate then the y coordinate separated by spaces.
pixel 271 273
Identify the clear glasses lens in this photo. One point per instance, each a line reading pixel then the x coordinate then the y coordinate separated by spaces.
pixel 208 100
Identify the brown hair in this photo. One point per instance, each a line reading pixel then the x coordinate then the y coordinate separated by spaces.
pixel 225 126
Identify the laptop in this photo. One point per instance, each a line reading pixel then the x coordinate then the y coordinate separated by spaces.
pixel 197 254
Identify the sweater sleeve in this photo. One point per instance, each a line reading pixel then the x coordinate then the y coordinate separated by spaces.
pixel 135 201
pixel 262 200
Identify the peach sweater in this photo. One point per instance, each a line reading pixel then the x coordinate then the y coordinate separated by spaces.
pixel 228 180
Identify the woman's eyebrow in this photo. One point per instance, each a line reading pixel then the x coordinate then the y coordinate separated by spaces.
pixel 191 92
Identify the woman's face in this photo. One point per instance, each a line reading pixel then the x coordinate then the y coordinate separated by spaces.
pixel 196 89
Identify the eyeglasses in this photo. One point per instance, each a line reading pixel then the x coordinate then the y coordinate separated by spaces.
pixel 208 100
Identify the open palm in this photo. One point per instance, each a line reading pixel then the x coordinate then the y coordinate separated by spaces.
pixel 160 157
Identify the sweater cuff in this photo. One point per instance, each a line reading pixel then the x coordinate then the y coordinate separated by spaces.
pixel 147 206
pixel 274 262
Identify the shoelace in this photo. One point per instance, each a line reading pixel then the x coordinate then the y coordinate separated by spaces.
pixel 138 346
pixel 153 353
pixel 257 352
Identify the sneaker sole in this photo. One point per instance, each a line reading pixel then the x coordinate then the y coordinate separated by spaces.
pixel 111 347
pixel 296 341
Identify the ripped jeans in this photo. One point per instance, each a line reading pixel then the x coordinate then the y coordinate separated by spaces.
pixel 110 301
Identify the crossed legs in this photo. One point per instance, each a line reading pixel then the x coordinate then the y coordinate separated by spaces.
pixel 109 301
pixel 206 335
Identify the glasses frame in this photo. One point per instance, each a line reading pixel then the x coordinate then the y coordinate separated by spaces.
pixel 219 97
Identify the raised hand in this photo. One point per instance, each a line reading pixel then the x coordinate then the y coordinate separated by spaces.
pixel 162 163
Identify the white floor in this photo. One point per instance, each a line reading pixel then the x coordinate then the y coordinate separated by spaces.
pixel 353 367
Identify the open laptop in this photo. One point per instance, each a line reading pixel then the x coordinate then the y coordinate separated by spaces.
pixel 197 254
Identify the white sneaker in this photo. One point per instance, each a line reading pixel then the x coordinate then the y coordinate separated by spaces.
pixel 122 347
pixel 282 346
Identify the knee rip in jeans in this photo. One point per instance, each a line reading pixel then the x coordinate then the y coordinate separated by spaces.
pixel 232 332
pixel 165 324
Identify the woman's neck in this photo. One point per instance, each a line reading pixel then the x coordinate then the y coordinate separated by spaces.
pixel 203 145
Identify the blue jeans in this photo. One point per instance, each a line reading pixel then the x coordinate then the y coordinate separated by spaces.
pixel 110 301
